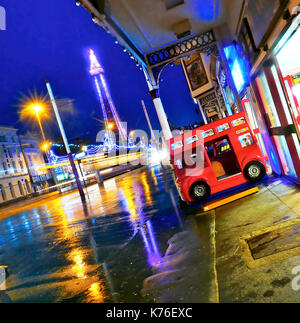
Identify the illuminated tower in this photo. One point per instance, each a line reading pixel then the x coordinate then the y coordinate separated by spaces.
pixel 110 114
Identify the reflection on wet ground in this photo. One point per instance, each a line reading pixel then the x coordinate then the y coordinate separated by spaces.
pixel 114 250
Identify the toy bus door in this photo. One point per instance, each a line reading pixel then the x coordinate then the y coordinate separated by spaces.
pixel 222 156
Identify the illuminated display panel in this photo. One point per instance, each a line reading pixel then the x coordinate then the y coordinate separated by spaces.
pixel 223 127
pixel 246 140
pixel 192 139
pixel 238 122
pixel 237 67
pixel 208 133
pixel 177 145
pixel 224 147
pixel 242 130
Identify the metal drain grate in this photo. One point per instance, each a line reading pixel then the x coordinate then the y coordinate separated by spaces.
pixel 275 241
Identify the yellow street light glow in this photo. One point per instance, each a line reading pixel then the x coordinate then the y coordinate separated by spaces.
pixel 45 146
pixel 110 126
pixel 34 109
pixel 37 108
pixel 34 105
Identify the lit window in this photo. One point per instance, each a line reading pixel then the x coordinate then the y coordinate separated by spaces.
pixel 223 127
pixel 192 139
pixel 177 145
pixel 246 140
pixel 208 133
pixel 238 122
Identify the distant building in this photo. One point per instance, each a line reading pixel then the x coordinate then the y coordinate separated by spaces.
pixel 19 175
pixel 14 179
pixel 34 158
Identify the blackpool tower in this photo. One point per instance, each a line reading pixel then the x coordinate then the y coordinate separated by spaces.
pixel 112 122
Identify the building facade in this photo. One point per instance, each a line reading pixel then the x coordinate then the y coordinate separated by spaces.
pixel 34 158
pixel 271 95
pixel 19 158
pixel 14 179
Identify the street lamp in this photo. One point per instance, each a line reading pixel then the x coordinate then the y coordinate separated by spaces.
pixel 38 108
pixel 110 126
pixel 45 146
pixel 35 106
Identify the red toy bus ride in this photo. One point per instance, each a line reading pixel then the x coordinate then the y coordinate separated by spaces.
pixel 230 157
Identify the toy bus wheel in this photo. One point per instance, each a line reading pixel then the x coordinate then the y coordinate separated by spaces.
pixel 200 191
pixel 254 171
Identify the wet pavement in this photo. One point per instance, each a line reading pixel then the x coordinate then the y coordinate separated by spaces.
pixel 62 252
pixel 132 243
pixel 244 275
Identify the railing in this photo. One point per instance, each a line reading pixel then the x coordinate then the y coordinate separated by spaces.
pixel 105 162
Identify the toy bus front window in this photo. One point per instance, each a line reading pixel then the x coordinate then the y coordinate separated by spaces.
pixel 246 140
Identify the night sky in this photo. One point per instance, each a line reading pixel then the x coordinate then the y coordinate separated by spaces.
pixel 50 39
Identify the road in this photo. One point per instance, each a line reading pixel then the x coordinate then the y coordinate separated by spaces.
pixel 131 243
pixel 59 251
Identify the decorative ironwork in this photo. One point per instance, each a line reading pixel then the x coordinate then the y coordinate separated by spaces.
pixel 157 71
pixel 221 100
pixel 209 50
pixel 207 99
pixel 200 41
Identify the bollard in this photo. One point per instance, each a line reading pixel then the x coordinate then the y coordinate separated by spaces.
pixel 99 178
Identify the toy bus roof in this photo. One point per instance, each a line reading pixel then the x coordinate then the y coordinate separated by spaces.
pixel 209 132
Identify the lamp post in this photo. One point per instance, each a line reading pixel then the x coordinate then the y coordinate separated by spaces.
pixel 37 109
pixel 28 166
pixel 63 134
pixel 45 146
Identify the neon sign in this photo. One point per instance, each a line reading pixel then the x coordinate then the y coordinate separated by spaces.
pixel 237 65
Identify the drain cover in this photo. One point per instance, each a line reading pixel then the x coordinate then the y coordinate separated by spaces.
pixel 275 241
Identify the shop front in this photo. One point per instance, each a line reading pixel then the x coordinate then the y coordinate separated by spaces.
pixel 277 88
pixel 271 96
pixel 258 128
pixel 239 71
